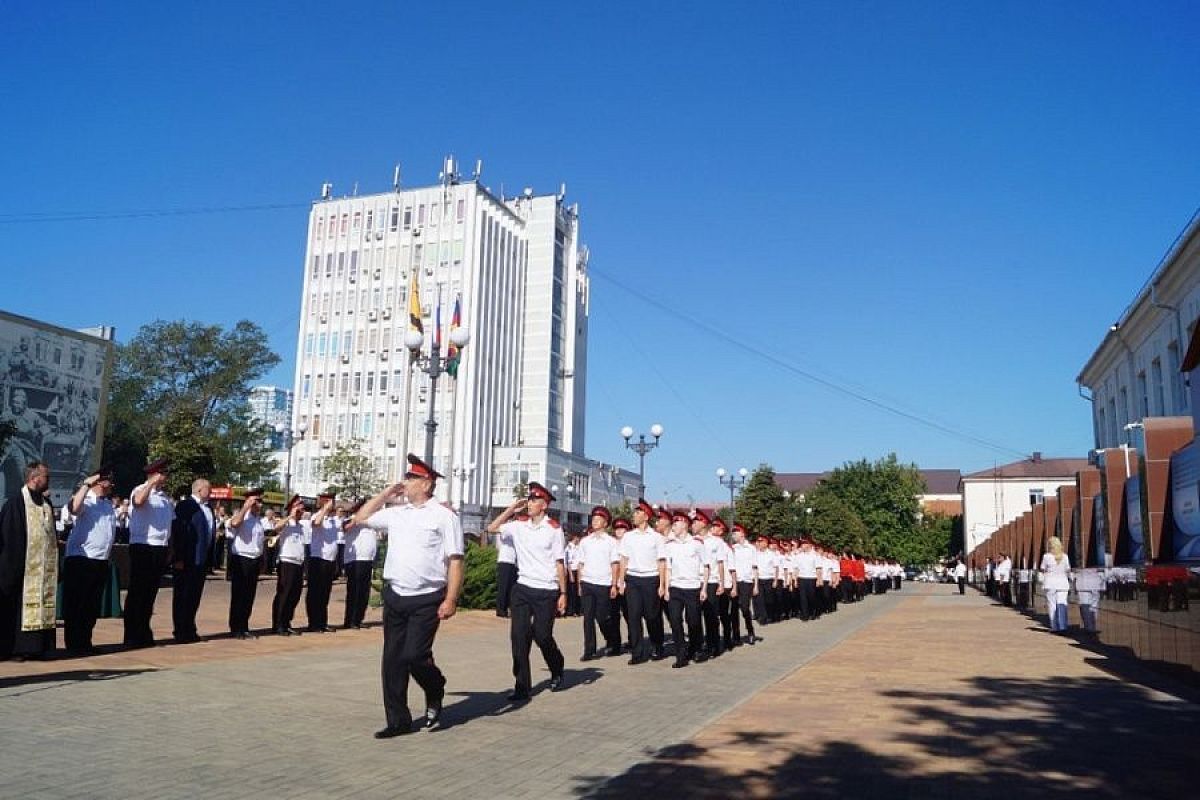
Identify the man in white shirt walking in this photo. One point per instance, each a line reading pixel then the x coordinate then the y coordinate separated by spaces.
pixel 541 590
pixel 599 571
pixel 422 577
pixel 643 582
pixel 687 581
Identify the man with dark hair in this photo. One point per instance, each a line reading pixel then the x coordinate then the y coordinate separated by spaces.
pixel 28 568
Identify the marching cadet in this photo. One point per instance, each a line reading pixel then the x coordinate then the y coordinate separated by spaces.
pixel 808 572
pixel 362 543
pixel 727 610
pixel 422 576
pixel 687 581
pixel 322 561
pixel 643 582
pixel 571 555
pixel 149 535
pixel 745 567
pixel 599 573
pixel 289 567
pixel 714 552
pixel 541 588
pixel 846 570
pixel 620 528
pixel 506 574
pixel 764 562
pixel 662 526
pixel 790 603
pixel 832 570
pixel 245 557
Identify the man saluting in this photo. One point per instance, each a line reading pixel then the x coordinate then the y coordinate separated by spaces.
pixel 422 576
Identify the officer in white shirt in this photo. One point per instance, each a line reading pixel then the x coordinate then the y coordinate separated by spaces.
pixel 361 546
pixel 714 553
pixel 643 582
pixel 149 536
pixel 687 588
pixel 506 573
pixel 541 589
pixel 745 565
pixel 246 535
pixel 85 569
pixel 808 572
pixel 289 567
pixel 599 572
pixel 422 576
pixel 322 562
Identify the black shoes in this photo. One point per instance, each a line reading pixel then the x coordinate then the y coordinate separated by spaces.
pixel 556 683
pixel 658 655
pixel 633 662
pixel 679 664
pixel 245 635
pixel 322 629
pixel 433 717
pixel 391 732
pixel 589 657
pixel 518 696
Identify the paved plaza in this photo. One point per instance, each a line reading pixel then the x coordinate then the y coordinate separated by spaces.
pixel 920 693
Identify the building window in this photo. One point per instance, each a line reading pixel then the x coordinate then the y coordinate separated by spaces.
pixel 316 271
pixel 345 223
pixel 347 341
pixel 308 344
pixel 1036 496
pixel 370 383
pixel 370 218
pixel 333 343
pixel 1156 380
pixel 345 385
pixel 316 426
pixel 357 221
pixel 1143 395
pixel 1101 430
pixel 357 383
pixel 1179 398
pixel 421 214
pixel 320 227
pixel 321 345
pixel 383 381
pixel 341 264
pixel 1112 423
pixel 407 217
pixel 461 213
pixel 306 386
pixel 395 218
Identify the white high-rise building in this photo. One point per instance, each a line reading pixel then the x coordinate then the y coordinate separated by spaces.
pixel 515 411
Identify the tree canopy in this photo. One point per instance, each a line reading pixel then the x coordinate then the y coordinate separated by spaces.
pixel 348 471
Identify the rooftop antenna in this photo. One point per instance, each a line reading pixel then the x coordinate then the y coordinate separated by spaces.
pixel 562 191
pixel 354 192
pixel 396 179
pixel 478 168
pixel 326 190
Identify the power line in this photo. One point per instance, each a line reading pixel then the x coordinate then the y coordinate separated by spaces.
pixel 807 374
pixel 24 218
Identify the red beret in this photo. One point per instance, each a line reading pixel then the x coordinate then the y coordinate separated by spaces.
pixel 680 516
pixel 720 523
pixel 700 516
pixel 601 511
pixel 622 525
pixel 539 492
pixel 645 508
pixel 419 469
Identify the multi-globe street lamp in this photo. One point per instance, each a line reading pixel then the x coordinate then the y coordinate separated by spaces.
pixel 433 365
pixel 732 482
pixel 289 438
pixel 642 447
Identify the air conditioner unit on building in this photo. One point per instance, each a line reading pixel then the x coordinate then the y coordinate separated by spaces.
pixel 429 271
pixel 387 313
pixel 378 274
pixel 325 445
pixel 353 401
pixel 391 442
pixel 378 234
pixel 345 358
pixel 372 315
pixel 353 278
pixel 383 356
pixel 395 398
pixel 324 318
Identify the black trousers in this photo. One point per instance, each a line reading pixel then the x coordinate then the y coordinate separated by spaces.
pixel 83 588
pixel 808 598
pixel 684 605
pixel 243 572
pixel 759 602
pixel 962 585
pixel 320 585
pixel 599 609
pixel 409 626
pixel 727 612
pixel 533 612
pixel 641 595
pixel 287 594
pixel 506 579
pixel 358 591
pixel 146 565
pixel 745 601
pixel 188 589
pixel 831 596
pixel 711 617
pixel 573 594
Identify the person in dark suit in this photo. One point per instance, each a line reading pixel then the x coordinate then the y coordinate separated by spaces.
pixel 192 537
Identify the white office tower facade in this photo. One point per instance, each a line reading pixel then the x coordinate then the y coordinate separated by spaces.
pixel 514 410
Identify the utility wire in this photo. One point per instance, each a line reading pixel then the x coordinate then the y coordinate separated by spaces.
pixel 24 218
pixel 804 373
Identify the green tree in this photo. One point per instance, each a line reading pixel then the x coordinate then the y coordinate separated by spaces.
pixel 763 509
pixel 885 495
pixel 622 510
pixel 179 390
pixel 833 523
pixel 349 471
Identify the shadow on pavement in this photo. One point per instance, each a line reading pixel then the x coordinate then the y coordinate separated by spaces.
pixel 986 738
pixel 494 704
pixel 71 676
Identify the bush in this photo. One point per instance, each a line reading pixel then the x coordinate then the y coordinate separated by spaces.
pixel 479 584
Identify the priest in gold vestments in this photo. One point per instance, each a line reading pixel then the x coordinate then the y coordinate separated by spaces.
pixel 28 568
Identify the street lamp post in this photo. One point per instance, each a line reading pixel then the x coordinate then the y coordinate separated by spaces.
pixel 642 447
pixel 463 474
pixel 289 440
pixel 432 365
pixel 732 483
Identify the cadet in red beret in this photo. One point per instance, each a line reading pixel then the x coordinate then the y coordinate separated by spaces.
pixel 643 582
pixel 599 572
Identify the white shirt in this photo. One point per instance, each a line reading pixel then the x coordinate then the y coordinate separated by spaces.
pixel 730 568
pixel 421 541
pixel 539 547
pixel 150 523
pixel 714 554
pixel 324 541
pixel 806 564
pixel 505 553
pixel 290 544
pixel 597 553
pixel 642 549
pixel 1004 570
pixel 765 561
pixel 362 544
pixel 95 528
pixel 828 567
pixel 1057 574
pixel 744 559
pixel 571 554
pixel 247 537
pixel 960 570
pixel 686 560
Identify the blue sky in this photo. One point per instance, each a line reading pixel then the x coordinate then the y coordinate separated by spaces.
pixel 943 205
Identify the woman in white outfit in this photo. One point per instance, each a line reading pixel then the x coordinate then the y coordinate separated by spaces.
pixel 1056 571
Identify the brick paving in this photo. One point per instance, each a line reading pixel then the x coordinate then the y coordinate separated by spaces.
pixel 943 696
pixel 917 694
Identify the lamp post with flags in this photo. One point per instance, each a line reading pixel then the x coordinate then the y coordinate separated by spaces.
pixel 434 363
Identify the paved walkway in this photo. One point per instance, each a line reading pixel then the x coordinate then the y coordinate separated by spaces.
pixel 948 696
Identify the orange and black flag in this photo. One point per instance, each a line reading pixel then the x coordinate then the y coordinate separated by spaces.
pixel 414 305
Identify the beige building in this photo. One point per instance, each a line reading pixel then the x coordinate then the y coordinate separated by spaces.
pixel 992 497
